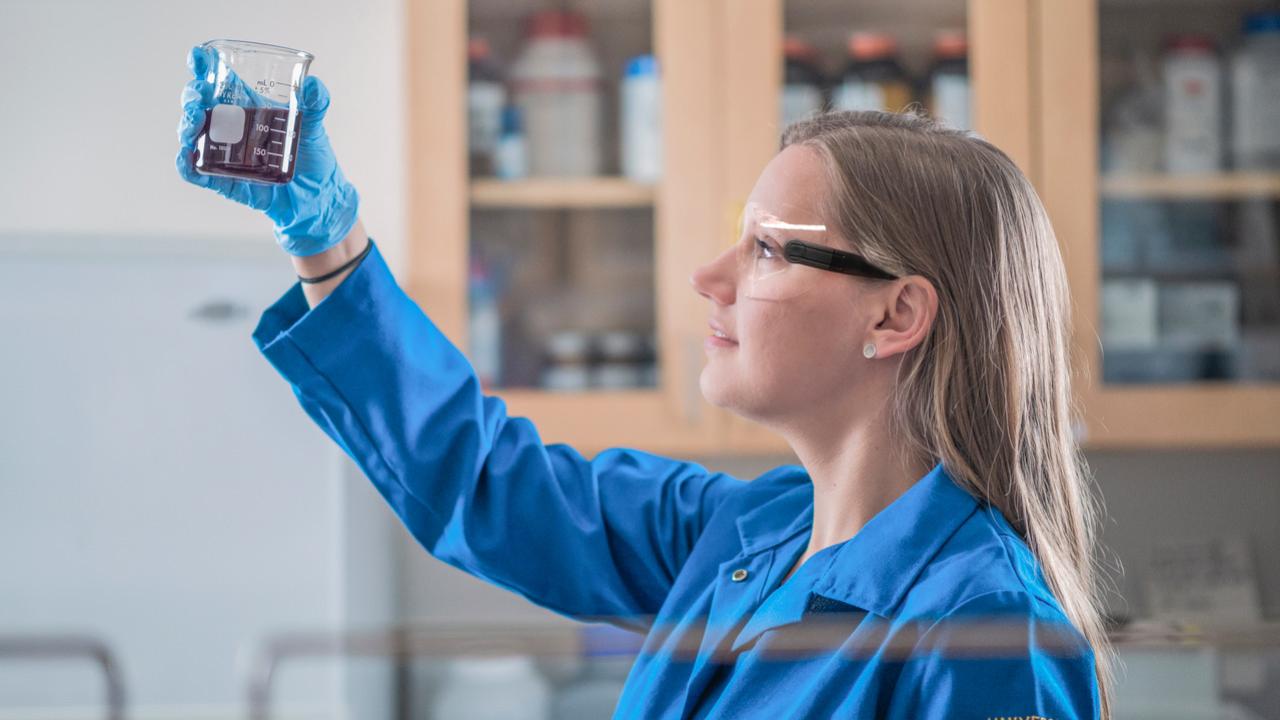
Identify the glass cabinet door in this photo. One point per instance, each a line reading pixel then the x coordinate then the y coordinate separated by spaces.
pixel 559 184
pixel 1189 123
pixel 564 132
pixel 1159 158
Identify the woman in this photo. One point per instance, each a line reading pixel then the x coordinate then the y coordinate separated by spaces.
pixel 895 308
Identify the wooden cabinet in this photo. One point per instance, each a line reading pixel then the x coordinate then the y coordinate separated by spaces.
pixel 1033 68
pixel 1126 221
pixel 678 211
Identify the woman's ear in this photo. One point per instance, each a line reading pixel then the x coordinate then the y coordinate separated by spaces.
pixel 910 307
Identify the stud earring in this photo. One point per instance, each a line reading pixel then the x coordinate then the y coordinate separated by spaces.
pixel 869 350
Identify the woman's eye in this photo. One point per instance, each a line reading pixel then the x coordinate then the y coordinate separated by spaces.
pixel 766 250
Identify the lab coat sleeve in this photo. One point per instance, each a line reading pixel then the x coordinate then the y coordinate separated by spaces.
pixel 1000 655
pixel 591 539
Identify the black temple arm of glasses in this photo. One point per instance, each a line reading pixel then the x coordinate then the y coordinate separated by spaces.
pixel 798 251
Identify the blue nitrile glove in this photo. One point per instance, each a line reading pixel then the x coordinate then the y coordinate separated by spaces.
pixel 314 211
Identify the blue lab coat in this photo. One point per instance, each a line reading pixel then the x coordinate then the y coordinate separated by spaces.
pixel 935 609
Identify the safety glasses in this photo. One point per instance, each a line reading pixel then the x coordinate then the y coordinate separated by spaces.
pixel 781 260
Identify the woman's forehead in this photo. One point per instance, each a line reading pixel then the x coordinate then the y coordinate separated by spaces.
pixel 791 188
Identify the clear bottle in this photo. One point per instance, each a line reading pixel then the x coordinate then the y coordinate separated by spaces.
pixel 1255 92
pixel 1133 136
pixel 874 79
pixel 948 84
pixel 1193 105
pixel 802 91
pixel 486 97
pixel 496 688
pixel 556 82
pixel 641 119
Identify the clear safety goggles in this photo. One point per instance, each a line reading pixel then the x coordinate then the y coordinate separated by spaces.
pixel 779 260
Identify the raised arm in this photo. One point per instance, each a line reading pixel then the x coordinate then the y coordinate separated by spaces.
pixel 587 538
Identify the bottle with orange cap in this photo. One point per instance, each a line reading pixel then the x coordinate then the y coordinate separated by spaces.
pixel 947 89
pixel 802 91
pixel 874 79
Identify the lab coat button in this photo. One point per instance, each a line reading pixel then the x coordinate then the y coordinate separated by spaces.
pixel 739 575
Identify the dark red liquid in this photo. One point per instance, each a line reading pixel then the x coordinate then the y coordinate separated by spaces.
pixel 266 152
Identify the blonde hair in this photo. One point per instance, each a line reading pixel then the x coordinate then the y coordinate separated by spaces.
pixel 988 391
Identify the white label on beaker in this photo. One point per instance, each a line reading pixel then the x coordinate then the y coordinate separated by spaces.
pixel 226 124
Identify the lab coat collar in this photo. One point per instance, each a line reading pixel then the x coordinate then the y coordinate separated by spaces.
pixel 875 568
pixel 762 529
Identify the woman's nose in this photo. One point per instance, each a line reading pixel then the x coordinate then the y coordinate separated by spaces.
pixel 717 280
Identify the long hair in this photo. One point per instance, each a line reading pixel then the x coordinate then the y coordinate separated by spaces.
pixel 988 391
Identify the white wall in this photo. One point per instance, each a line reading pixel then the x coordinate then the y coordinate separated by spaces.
pixel 160 490
pixel 176 553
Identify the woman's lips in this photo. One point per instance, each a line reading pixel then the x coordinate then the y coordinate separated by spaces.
pixel 720 342
pixel 719 331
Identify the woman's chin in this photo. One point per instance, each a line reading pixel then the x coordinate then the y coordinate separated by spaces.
pixel 713 388
pixel 720 392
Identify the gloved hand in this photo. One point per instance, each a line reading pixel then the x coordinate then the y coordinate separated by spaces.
pixel 314 211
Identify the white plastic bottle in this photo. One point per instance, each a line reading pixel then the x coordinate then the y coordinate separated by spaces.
pixel 556 83
pixel 1255 93
pixel 641 119
pixel 1193 106
pixel 497 688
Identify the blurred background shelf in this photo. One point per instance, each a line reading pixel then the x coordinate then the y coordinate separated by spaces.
pixel 646 415
pixel 602 192
pixel 1216 186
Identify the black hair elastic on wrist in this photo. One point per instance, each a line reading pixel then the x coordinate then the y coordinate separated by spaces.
pixel 348 264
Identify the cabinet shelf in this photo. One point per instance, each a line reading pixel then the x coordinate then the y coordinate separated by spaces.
pixel 1213 186
pixel 601 192
pixel 596 420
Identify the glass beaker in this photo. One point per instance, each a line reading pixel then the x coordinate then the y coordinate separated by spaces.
pixel 252 130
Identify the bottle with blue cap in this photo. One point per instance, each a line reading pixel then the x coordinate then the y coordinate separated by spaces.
pixel 511 159
pixel 641 120
pixel 1255 92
